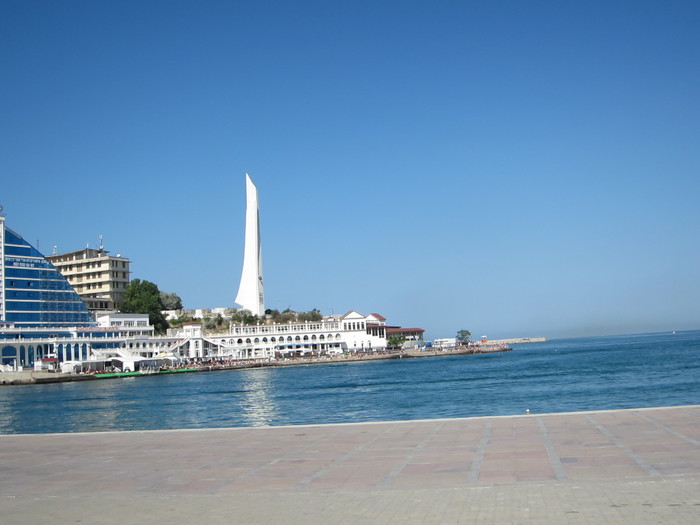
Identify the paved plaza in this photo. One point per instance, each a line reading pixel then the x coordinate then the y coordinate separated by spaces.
pixel 620 466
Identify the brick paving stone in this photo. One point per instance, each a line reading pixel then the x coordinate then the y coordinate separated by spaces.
pixel 621 466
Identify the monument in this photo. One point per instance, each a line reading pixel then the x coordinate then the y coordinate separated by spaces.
pixel 250 292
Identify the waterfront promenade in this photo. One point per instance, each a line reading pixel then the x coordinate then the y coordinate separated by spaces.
pixel 28 377
pixel 619 466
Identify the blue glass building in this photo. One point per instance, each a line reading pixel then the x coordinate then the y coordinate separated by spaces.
pixel 39 309
pixel 34 293
pixel 44 323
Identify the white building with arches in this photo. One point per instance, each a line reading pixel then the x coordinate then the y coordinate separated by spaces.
pixel 351 332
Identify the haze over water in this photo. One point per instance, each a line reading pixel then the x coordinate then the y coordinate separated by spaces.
pixel 555 376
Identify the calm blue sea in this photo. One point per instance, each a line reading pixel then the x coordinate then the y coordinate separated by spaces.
pixel 555 376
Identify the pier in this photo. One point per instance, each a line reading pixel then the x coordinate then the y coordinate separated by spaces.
pixel 620 466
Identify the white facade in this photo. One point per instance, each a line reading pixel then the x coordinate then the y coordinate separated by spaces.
pixel 222 311
pixel 250 292
pixel 332 335
pixel 99 278
pixel 129 339
pixel 125 321
pixel 171 315
pixel 352 332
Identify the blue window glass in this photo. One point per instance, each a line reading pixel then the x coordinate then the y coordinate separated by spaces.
pixel 37 293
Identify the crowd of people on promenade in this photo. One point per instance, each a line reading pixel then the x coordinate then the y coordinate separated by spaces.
pixel 284 359
pixel 289 358
pixel 110 368
pixel 172 365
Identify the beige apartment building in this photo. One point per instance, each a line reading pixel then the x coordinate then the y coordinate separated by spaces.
pixel 98 278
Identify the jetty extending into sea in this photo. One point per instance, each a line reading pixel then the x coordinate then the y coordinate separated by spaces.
pixel 518 340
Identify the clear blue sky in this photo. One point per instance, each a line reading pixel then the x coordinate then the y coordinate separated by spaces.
pixel 511 168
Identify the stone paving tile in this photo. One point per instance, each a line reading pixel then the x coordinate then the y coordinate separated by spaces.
pixel 539 468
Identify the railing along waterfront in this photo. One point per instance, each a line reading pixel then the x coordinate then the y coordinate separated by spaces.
pixel 278 329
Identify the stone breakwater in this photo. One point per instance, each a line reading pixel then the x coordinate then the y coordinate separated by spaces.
pixel 27 377
pixel 518 340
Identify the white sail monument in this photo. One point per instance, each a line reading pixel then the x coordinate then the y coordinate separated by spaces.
pixel 250 292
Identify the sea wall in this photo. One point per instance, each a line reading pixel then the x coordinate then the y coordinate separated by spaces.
pixel 27 377
pixel 518 340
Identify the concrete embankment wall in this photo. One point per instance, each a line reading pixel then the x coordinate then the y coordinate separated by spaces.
pixel 28 377
pixel 517 340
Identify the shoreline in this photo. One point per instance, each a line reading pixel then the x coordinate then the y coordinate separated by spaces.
pixel 31 377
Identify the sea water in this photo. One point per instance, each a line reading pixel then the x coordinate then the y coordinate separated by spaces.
pixel 555 376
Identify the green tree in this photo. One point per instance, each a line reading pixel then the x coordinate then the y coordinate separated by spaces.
pixel 171 301
pixel 395 341
pixel 463 336
pixel 245 317
pixel 313 315
pixel 214 324
pixel 281 317
pixel 296 317
pixel 143 297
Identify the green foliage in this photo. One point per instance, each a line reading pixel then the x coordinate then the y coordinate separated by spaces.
pixel 143 297
pixel 177 323
pixel 245 317
pixel 214 324
pixel 313 315
pixel 464 336
pixel 295 317
pixel 395 341
pixel 171 301
pixel 286 316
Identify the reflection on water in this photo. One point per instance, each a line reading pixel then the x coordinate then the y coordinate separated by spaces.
pixel 258 406
pixel 60 407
